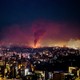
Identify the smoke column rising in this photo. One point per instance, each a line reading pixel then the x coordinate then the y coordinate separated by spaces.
pixel 38 34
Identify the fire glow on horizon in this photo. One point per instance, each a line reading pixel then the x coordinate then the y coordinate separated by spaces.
pixel 42 33
pixel 72 43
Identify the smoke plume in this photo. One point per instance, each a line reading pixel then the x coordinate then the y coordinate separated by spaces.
pixel 73 43
pixel 38 34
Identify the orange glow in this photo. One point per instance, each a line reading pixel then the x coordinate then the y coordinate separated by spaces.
pixel 37 45
pixel 34 46
pixel 72 43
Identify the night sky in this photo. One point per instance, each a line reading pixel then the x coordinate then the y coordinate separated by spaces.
pixel 39 22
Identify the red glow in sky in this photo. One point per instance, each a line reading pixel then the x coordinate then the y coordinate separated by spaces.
pixel 41 33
